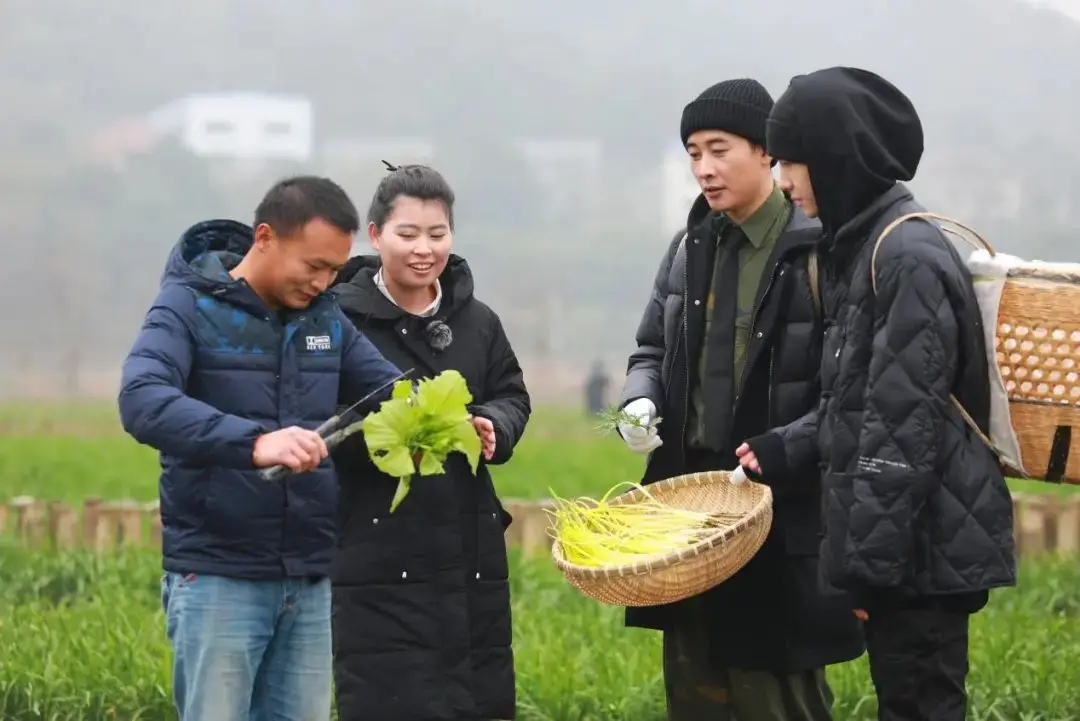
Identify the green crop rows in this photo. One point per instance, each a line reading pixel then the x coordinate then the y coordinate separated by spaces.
pixel 82 636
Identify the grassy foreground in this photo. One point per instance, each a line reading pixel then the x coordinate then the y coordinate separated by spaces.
pixel 82 637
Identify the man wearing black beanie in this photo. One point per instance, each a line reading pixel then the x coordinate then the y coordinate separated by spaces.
pixel 728 347
pixel 918 517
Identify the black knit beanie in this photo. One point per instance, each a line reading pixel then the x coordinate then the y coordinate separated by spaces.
pixel 738 106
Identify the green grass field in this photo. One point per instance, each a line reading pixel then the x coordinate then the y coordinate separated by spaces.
pixel 72 452
pixel 82 637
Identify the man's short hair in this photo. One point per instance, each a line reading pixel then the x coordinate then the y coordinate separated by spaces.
pixel 294 202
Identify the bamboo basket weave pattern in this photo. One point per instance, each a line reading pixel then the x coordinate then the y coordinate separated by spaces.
pixel 1038 353
pixel 1037 347
pixel 689 571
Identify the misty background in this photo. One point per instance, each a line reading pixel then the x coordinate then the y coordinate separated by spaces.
pixel 556 122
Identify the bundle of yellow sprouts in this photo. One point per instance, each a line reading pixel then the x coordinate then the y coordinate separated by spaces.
pixel 600 533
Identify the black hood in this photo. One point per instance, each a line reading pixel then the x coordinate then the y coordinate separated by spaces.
pixel 857 134
pixel 358 294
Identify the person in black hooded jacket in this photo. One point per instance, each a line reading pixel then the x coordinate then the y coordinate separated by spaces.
pixel 421 600
pixel 918 519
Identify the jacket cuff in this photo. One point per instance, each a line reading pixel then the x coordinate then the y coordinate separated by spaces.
pixel 771 457
pixel 503 449
pixel 868 598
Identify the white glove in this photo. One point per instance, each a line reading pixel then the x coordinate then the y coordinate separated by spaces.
pixel 640 439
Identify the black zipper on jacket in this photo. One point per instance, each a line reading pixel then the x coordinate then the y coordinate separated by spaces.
pixel 750 337
pixel 281 326
pixel 686 354
pixel 772 363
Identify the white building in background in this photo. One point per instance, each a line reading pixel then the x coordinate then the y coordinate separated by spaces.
pixel 678 189
pixel 241 126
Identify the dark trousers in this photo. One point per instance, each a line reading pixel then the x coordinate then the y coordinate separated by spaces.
pixel 698 690
pixel 919 662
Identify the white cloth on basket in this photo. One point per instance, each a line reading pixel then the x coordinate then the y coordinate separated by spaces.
pixel 989 274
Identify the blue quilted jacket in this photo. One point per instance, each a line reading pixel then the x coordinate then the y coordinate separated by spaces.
pixel 212 369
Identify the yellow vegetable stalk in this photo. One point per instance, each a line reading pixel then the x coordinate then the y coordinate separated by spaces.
pixel 599 533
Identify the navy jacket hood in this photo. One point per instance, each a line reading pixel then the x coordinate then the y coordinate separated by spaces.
pixel 206 252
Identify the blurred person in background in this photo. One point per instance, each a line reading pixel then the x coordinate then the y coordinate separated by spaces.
pixel 421 596
pixel 596 388
pixel 241 354
pixel 729 346
pixel 918 519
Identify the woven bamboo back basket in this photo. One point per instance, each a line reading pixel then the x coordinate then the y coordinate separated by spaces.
pixel 685 572
pixel 1038 352
pixel 1037 342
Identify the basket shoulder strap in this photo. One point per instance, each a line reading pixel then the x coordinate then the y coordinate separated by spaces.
pixel 815 280
pixel 873 281
pixel 970 235
pixel 975 426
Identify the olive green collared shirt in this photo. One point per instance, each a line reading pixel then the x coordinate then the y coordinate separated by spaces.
pixel 761 230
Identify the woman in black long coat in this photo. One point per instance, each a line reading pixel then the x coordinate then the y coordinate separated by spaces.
pixel 421 598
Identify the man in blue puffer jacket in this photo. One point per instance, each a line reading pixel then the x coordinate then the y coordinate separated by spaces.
pixel 242 353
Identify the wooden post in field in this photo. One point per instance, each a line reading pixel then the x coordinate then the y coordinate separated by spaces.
pixel 19 504
pixel 1050 505
pixel 63 526
pixel 91 518
pixel 544 508
pixel 1068 526
pixel 1029 510
pixel 513 533
pixel 36 524
pixel 29 521
pixel 129 522
pixel 105 530
pixel 153 511
pixel 534 532
pixel 3 517
pixel 1019 502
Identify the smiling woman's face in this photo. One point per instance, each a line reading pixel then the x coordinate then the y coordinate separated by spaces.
pixel 414 243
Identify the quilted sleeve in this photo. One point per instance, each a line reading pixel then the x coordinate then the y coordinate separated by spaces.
pixel 787 455
pixel 911 371
pixel 506 399
pixel 154 408
pixel 644 367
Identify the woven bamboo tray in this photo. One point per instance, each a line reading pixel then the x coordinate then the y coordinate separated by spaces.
pixel 674 576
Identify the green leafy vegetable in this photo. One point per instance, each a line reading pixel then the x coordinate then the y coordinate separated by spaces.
pixel 613 417
pixel 421 428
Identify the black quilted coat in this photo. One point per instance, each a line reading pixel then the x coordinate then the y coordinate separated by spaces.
pixel 914 503
pixel 422 626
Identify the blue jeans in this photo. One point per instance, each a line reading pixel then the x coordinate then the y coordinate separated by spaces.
pixel 249 650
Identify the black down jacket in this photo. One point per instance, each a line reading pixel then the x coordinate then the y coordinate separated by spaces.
pixel 915 504
pixel 421 600
pixel 771 615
